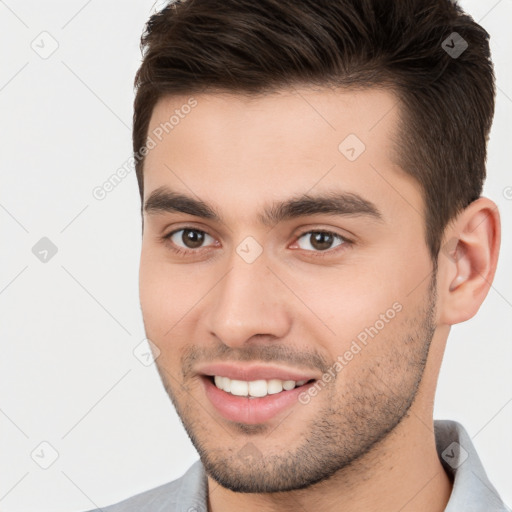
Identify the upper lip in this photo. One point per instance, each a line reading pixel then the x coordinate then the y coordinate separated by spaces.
pixel 250 372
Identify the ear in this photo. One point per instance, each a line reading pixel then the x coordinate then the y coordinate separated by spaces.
pixel 467 261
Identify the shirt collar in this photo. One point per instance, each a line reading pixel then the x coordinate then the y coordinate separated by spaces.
pixel 472 491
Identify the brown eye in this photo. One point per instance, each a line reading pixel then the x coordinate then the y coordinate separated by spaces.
pixel 319 240
pixel 189 238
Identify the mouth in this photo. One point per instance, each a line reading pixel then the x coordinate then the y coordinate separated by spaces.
pixel 253 395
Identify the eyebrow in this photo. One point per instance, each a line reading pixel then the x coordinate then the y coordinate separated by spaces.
pixel 164 200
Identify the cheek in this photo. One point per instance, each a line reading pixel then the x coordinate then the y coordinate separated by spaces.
pixel 364 299
pixel 163 305
pixel 157 293
pixel 347 298
pixel 168 293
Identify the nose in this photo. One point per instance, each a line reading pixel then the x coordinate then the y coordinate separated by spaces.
pixel 250 303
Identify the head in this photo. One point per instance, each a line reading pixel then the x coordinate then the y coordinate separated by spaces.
pixel 310 176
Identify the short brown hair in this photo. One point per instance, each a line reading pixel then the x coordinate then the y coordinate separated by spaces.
pixel 257 47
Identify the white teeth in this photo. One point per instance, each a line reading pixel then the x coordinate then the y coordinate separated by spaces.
pixel 258 388
pixel 226 384
pixel 255 388
pixel 274 386
pixel 239 387
pixel 288 384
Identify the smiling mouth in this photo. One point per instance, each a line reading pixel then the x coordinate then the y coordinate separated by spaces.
pixel 255 388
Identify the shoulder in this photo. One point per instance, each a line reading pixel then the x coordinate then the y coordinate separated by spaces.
pixel 185 494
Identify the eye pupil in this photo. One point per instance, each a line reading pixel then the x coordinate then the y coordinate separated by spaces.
pixel 321 241
pixel 192 238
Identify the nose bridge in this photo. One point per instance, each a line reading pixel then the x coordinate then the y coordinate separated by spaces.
pixel 249 300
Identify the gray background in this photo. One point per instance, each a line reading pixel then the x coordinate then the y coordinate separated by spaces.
pixel 69 326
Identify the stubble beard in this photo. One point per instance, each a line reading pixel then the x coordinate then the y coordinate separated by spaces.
pixel 353 421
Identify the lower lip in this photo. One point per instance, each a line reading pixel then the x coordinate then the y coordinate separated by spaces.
pixel 247 410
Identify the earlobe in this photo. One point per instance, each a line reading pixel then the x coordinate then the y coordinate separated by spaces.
pixel 469 270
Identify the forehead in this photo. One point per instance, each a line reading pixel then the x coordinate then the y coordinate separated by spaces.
pixel 250 150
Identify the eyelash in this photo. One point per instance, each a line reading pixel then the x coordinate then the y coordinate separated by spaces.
pixel 317 254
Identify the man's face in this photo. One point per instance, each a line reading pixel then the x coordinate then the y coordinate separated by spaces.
pixel 338 293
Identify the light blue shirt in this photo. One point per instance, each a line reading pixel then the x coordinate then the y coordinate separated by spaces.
pixel 472 491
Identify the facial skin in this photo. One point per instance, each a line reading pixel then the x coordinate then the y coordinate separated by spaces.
pixel 366 438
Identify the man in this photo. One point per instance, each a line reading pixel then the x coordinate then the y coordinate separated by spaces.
pixel 311 175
